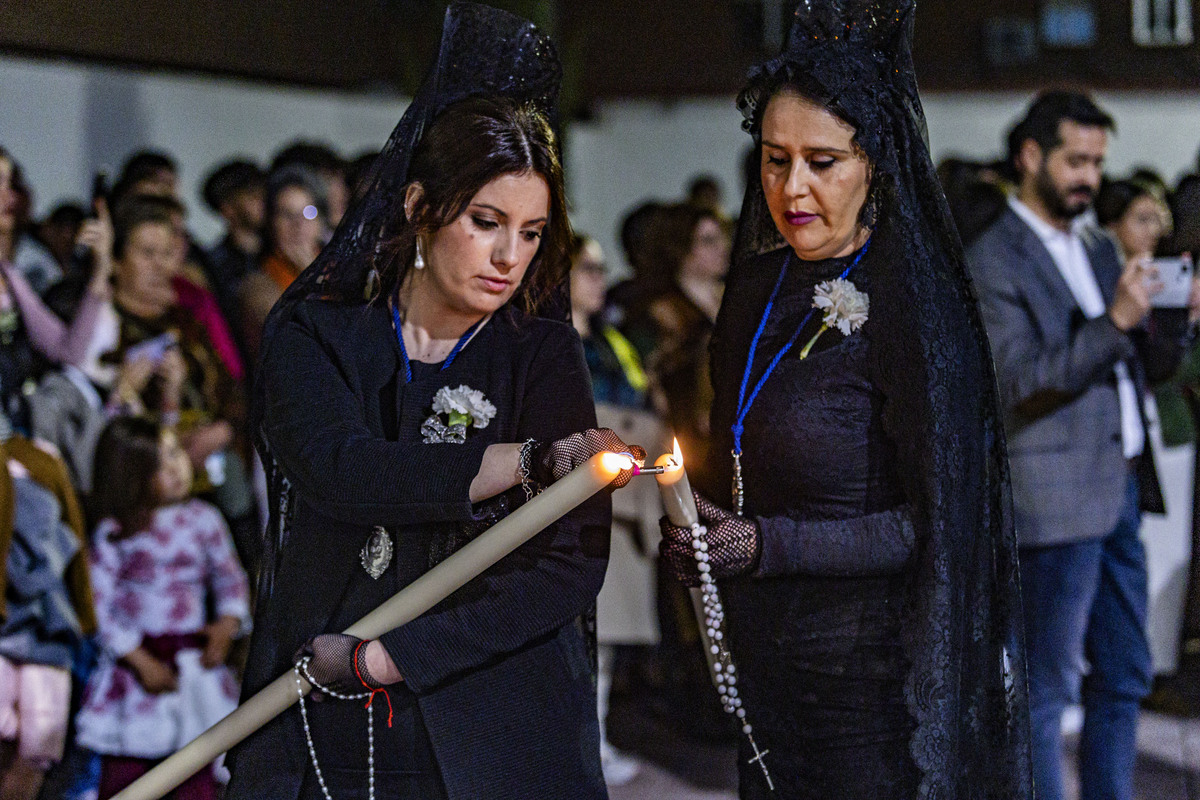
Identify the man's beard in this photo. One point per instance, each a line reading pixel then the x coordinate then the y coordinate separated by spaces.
pixel 1058 202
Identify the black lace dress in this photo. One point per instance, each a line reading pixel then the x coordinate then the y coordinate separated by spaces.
pixel 816 629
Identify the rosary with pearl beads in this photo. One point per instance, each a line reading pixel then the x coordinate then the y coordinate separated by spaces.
pixel 720 660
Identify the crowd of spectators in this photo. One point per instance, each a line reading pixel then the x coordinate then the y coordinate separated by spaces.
pixel 126 351
pixel 130 519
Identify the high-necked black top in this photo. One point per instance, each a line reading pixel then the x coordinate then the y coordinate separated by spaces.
pixel 815 456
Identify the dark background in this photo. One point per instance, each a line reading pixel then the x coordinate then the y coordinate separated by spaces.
pixel 626 48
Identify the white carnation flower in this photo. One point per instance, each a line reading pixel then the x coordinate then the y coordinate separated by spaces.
pixel 845 307
pixel 446 401
pixel 478 406
pixel 464 401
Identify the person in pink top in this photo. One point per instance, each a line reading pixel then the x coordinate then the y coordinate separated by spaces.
pixel 28 326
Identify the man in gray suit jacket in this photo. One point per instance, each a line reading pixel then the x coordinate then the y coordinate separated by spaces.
pixel 1064 317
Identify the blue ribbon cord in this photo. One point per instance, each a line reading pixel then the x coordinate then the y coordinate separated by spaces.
pixel 462 342
pixel 744 405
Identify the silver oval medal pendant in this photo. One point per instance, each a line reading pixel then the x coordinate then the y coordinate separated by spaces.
pixel 377 552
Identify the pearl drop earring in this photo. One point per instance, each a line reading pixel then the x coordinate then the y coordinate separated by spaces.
pixel 419 259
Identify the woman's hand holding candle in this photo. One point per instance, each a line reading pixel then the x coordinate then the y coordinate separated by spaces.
pixel 380 664
pixel 339 662
pixel 733 544
pixel 539 464
pixel 551 461
pixel 347 664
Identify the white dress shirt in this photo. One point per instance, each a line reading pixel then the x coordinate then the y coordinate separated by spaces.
pixel 1070 256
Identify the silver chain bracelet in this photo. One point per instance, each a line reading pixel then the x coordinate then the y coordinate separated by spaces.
pixel 524 465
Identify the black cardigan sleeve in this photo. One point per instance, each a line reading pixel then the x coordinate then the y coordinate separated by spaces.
pixel 545 583
pixel 871 545
pixel 314 423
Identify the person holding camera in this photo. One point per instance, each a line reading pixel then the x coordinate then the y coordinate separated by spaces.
pixel 1065 318
pixel 28 327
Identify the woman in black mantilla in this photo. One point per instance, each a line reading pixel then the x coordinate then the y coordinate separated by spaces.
pixel 397 428
pixel 870 585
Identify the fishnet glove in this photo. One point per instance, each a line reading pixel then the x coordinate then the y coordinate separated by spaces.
pixel 552 461
pixel 332 663
pixel 733 542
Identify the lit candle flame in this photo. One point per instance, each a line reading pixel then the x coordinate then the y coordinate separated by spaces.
pixel 676 459
pixel 615 462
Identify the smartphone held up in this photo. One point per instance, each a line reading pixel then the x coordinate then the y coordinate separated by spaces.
pixel 1175 274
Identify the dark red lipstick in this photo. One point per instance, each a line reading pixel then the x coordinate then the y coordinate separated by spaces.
pixel 799 217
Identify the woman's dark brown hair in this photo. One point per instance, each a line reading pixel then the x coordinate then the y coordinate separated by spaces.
pixel 671 237
pixel 470 144
pixel 125 464
pixel 1115 197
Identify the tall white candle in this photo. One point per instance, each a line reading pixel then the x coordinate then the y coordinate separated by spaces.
pixel 408 604
pixel 676 490
pixel 680 505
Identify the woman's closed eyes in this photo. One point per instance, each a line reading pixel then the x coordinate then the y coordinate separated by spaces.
pixel 818 165
pixel 486 224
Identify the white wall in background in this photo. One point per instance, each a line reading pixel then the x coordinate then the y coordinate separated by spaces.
pixel 1158 129
pixel 63 120
pixel 41 124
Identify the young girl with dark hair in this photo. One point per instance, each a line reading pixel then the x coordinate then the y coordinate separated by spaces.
pixel 160 560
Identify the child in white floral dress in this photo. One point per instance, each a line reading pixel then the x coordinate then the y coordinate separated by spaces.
pixel 159 560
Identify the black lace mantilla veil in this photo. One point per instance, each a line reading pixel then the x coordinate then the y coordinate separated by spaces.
pixel 482 52
pixel 966 689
